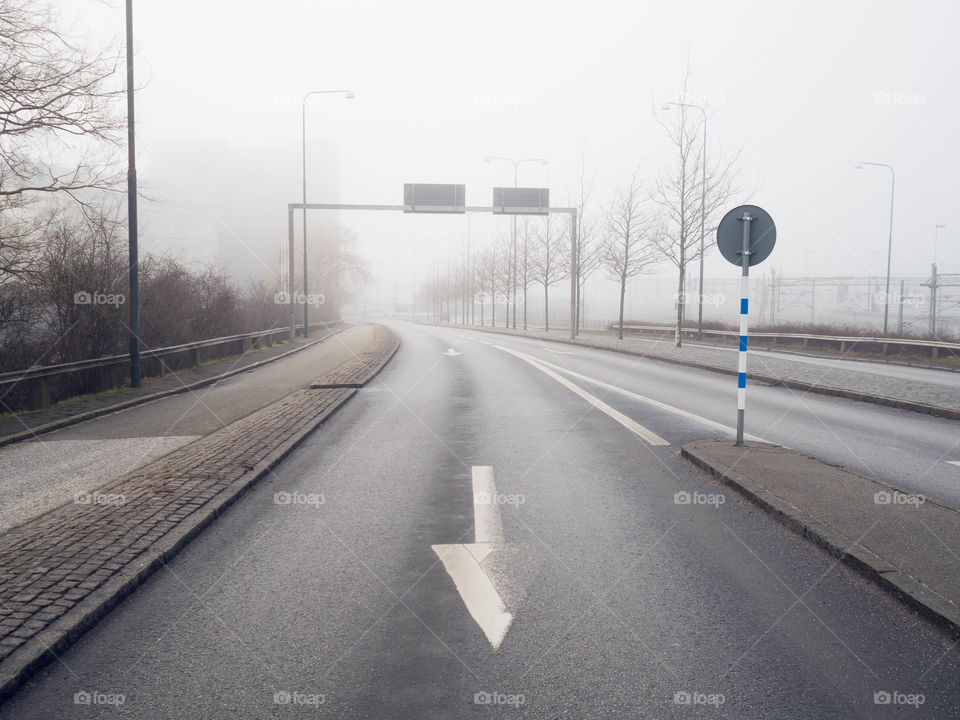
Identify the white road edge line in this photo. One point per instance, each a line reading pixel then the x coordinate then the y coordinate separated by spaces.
pixel 656 403
pixel 630 424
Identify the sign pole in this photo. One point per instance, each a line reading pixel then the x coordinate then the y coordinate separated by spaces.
pixel 744 307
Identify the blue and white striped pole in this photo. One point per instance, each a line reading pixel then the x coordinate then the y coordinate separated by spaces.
pixel 744 307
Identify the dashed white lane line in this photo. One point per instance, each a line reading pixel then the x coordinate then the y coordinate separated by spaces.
pixel 656 403
pixel 629 423
pixel 558 352
pixel 954 462
pixel 463 561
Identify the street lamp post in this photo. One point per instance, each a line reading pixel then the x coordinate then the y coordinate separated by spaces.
pixel 936 237
pixel 516 164
pixel 349 96
pixel 893 179
pixel 703 208
pixel 132 240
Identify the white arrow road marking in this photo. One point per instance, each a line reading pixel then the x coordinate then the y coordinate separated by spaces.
pixel 651 401
pixel 629 423
pixel 451 352
pixel 463 562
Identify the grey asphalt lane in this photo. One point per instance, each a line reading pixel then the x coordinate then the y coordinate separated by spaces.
pixel 626 603
pixel 908 450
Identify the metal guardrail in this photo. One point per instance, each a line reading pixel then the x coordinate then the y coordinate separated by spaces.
pixel 39 386
pixel 885 344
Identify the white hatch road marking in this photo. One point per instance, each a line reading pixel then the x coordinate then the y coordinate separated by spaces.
pixel 630 424
pixel 451 352
pixel 954 462
pixel 463 562
pixel 651 401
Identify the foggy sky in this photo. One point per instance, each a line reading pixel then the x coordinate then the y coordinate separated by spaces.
pixel 806 89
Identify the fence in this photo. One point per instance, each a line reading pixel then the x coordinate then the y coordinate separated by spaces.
pixel 40 386
pixel 885 346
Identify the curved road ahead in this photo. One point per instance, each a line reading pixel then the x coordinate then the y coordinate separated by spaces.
pixel 598 596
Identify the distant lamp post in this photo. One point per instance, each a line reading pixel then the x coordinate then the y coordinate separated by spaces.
pixel 936 237
pixel 893 179
pixel 516 164
pixel 703 206
pixel 349 96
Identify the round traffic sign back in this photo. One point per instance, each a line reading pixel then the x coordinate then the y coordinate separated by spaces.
pixel 763 235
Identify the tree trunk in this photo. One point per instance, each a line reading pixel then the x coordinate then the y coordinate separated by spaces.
pixel 623 292
pixel 678 334
pixel 546 308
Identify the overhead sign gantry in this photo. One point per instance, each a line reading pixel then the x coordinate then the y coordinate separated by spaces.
pixel 433 198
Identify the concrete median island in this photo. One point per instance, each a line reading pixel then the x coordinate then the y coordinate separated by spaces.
pixel 904 542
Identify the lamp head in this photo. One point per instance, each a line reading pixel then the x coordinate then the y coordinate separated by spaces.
pixel 858 166
pixel 349 95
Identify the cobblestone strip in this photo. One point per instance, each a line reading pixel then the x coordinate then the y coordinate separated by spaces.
pixel 928 398
pixel 359 371
pixel 60 573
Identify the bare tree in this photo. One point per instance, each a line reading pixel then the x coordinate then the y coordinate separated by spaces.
pixel 690 187
pixel 58 130
pixel 628 249
pixel 549 262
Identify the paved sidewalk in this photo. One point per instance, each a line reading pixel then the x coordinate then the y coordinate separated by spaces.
pixel 61 572
pixel 906 543
pixel 39 474
pixel 933 398
pixel 24 425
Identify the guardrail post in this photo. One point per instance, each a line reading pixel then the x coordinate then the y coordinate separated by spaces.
pixel 39 394
pixel 196 357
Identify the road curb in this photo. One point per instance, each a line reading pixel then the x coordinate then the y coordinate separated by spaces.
pixel 133 402
pixel 896 403
pixel 904 588
pixel 46 645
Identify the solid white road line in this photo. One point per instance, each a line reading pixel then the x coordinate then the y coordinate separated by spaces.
pixel 630 424
pixel 463 562
pixel 486 512
pixel 651 401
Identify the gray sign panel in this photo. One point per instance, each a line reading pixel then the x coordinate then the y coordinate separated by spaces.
pixel 763 235
pixel 434 198
pixel 521 201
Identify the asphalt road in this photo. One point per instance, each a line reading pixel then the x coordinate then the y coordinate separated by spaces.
pixel 605 597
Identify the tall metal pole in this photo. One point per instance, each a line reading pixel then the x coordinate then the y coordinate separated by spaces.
pixel 703 212
pixel 303 146
pixel 513 274
pixel 573 275
pixel 290 267
pixel 514 233
pixel 886 304
pixel 893 180
pixel 744 309
pixel 134 267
